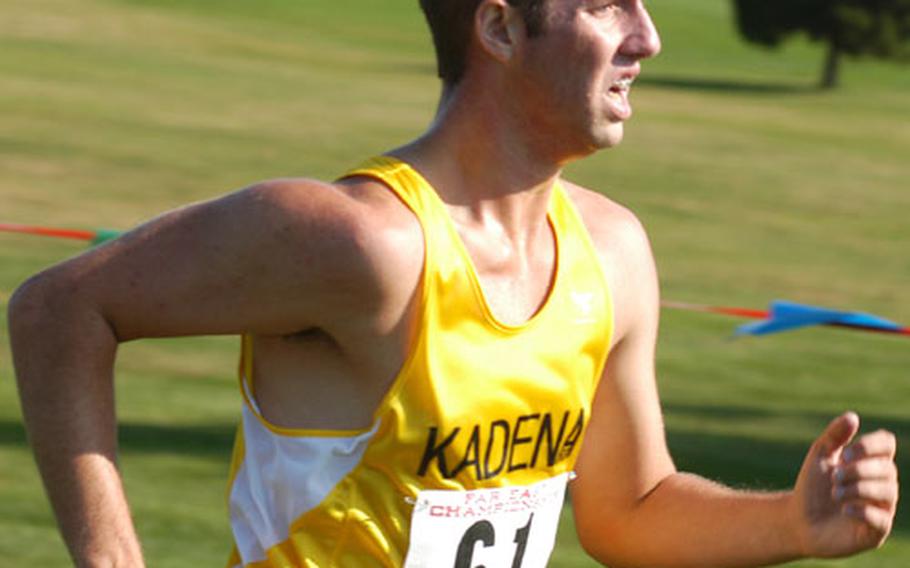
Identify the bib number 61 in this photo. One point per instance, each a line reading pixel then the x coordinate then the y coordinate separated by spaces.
pixel 483 532
pixel 472 529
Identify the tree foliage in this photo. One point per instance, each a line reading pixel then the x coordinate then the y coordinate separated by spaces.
pixel 878 28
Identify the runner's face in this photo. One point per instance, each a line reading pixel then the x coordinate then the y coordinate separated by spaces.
pixel 577 73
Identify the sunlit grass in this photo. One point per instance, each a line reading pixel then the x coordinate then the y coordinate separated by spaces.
pixel 753 186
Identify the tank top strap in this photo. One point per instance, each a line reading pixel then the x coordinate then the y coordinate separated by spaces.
pixel 402 179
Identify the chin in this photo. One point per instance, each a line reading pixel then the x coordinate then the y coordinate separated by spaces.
pixel 608 137
pixel 596 137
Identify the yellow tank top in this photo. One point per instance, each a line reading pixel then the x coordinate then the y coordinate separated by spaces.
pixel 479 421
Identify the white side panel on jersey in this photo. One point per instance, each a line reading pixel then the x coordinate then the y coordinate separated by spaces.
pixel 283 477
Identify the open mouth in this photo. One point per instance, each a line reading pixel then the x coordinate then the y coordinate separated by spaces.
pixel 618 98
pixel 622 85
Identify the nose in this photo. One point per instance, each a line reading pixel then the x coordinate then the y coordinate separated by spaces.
pixel 643 40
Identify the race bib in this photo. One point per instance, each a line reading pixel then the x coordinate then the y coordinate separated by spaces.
pixel 506 527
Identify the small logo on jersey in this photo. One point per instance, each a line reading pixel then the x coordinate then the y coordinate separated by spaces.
pixel 584 303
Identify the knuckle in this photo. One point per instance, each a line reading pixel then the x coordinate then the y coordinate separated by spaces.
pixel 867 490
pixel 883 468
pixel 867 468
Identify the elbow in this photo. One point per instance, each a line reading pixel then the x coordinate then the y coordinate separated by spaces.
pixel 26 311
pixel 52 325
pixel 615 538
pixel 35 310
pixel 27 305
pixel 598 539
pixel 623 534
pixel 48 302
pixel 603 553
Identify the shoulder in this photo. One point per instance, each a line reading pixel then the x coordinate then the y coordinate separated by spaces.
pixel 354 236
pixel 273 258
pixel 625 252
pixel 615 229
pixel 356 216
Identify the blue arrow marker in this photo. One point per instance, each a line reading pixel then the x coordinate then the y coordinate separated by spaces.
pixel 784 316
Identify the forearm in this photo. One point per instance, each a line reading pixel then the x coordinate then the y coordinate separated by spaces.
pixel 688 521
pixel 63 354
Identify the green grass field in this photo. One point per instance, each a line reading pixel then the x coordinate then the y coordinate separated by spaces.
pixel 753 184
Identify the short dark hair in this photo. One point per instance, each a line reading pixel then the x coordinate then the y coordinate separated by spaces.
pixel 451 22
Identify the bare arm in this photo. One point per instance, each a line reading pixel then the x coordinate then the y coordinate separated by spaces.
pixel 67 403
pixel 261 260
pixel 633 508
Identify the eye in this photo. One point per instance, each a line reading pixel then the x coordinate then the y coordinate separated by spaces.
pixel 601 7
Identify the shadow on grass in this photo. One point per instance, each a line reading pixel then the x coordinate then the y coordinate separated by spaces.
pixel 737 460
pixel 750 463
pixel 215 441
pixel 12 434
pixel 726 85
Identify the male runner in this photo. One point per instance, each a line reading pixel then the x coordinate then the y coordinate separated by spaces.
pixel 435 345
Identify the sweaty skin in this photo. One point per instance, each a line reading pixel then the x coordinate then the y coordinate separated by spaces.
pixel 325 277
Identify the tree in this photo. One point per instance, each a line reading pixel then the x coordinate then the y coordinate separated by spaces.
pixel 877 28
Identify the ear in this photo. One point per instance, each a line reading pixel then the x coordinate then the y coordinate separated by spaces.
pixel 498 28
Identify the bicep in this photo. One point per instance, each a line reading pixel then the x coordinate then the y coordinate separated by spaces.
pixel 244 262
pixel 624 455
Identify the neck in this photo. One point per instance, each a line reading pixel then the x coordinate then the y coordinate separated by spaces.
pixel 484 163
